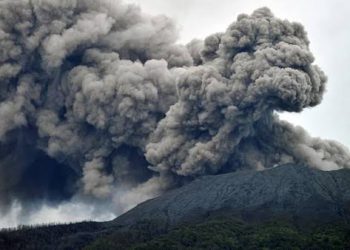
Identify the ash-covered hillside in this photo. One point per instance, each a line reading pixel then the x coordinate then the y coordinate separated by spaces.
pixel 289 206
pixel 292 192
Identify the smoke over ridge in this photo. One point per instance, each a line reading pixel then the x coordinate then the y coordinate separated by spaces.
pixel 98 103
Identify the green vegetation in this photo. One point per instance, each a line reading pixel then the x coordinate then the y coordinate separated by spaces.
pixel 213 233
pixel 227 233
pixel 64 236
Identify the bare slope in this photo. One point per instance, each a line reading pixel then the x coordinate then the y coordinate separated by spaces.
pixel 295 192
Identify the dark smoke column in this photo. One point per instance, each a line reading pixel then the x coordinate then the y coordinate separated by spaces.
pixel 82 85
pixel 97 101
pixel 224 117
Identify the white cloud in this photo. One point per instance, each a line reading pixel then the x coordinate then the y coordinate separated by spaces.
pixel 63 213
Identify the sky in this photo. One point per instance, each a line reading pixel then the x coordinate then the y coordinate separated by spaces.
pixel 327 25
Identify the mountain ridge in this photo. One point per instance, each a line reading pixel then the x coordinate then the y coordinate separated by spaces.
pixel 299 190
pixel 312 205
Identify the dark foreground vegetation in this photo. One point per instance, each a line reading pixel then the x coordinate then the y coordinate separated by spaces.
pixel 224 233
pixel 66 236
pixel 213 233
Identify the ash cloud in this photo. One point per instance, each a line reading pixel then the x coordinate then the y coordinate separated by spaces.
pixel 99 102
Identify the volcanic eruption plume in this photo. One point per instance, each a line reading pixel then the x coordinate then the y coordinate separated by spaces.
pixel 98 101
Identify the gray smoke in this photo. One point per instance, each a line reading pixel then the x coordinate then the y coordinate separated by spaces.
pixel 99 102
pixel 225 108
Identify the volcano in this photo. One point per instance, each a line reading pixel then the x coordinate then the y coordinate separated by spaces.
pixel 294 192
pixel 304 199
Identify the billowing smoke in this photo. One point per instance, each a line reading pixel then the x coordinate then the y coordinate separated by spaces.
pixel 98 103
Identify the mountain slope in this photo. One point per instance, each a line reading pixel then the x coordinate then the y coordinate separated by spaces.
pixel 289 191
pixel 215 212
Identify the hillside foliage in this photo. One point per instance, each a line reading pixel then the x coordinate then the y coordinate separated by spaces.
pixel 212 233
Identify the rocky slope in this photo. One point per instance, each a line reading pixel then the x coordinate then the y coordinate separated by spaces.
pixel 207 209
pixel 294 192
